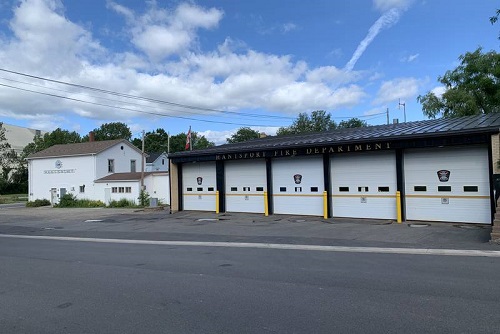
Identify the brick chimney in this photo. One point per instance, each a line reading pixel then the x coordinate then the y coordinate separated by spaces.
pixel 91 136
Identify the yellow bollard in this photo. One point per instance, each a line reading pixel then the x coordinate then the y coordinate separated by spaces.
pixel 325 205
pixel 398 207
pixel 217 201
pixel 266 206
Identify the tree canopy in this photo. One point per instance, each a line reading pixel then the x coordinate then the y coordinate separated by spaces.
pixel 178 142
pixel 58 136
pixel 110 131
pixel 470 89
pixel 243 134
pixel 155 141
pixel 319 121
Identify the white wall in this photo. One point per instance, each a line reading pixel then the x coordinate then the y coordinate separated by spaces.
pixel 132 196
pixel 73 172
pixel 122 154
pixel 157 185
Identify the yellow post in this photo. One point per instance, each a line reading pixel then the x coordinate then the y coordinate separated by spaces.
pixel 325 205
pixel 266 206
pixel 398 207
pixel 217 201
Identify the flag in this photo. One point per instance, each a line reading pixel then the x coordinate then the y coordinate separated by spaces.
pixel 188 140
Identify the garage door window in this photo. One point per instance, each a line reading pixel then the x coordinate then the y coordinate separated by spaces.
pixel 210 188
pixel 344 189
pixel 199 189
pixel 259 189
pixel 444 188
pixel 363 189
pixel 420 188
pixel 314 189
pixel 282 189
pixel 383 189
pixel 189 189
pixel 234 188
pixel 473 189
pixel 298 189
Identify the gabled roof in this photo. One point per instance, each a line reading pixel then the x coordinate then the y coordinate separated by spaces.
pixel 135 176
pixel 87 148
pixel 489 123
pixel 153 156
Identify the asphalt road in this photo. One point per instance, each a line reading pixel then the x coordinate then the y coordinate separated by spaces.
pixel 49 286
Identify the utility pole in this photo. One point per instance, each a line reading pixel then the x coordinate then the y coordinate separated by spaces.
pixel 404 108
pixel 142 163
pixel 387 116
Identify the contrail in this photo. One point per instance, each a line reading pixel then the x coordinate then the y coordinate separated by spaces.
pixel 385 21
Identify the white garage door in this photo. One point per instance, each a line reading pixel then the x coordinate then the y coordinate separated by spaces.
pixel 364 185
pixel 448 184
pixel 245 186
pixel 198 186
pixel 298 186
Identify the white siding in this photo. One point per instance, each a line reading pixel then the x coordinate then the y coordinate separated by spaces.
pixel 121 154
pixel 157 186
pixel 468 167
pixel 132 196
pixel 44 175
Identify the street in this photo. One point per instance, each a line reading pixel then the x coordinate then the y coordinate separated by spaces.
pixel 53 286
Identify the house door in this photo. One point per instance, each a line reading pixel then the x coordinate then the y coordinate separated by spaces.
pixel 107 196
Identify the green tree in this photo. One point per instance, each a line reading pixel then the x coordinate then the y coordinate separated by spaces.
pixel 317 122
pixel 155 141
pixel 7 157
pixel 110 131
pixel 58 136
pixel 352 123
pixel 470 89
pixel 243 134
pixel 178 142
pixel 494 18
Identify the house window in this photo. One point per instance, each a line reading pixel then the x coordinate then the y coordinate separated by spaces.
pixel 132 166
pixel 128 189
pixel 111 166
pixel 121 189
pixel 162 161
pixel 114 189
pixel 82 189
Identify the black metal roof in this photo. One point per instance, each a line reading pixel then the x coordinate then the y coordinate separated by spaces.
pixel 489 123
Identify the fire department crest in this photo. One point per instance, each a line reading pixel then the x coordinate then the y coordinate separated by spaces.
pixel 443 175
pixel 297 178
pixel 199 180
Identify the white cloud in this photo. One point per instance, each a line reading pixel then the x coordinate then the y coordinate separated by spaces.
pixel 401 88
pixel 384 5
pixel 219 137
pixel 287 27
pixel 410 58
pixel 388 19
pixel 438 91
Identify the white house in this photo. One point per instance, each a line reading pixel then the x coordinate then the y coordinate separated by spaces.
pixel 98 170
pixel 156 162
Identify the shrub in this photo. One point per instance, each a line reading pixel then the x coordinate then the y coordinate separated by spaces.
pixel 67 201
pixel 143 198
pixel 122 203
pixel 89 203
pixel 38 202
pixel 70 201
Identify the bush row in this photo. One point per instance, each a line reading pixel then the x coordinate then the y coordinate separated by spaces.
pixel 70 201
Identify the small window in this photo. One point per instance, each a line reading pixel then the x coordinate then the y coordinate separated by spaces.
pixel 246 188
pixel 128 189
pixel 111 166
pixel 362 189
pixel 82 189
pixel 472 189
pixel 189 189
pixel 121 189
pixel 114 190
pixel 234 188
pixel 383 189
pixel 420 188
pixel 314 189
pixel 163 161
pixel 282 189
pixel 199 189
pixel 259 189
pixel 132 166
pixel 444 188
pixel 298 189
pixel 344 189
pixel 210 188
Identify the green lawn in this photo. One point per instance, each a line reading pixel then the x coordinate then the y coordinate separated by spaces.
pixel 14 198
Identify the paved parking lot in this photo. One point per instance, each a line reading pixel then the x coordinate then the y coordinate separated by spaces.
pixel 239 227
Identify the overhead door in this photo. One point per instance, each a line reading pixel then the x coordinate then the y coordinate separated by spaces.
pixel 198 186
pixel 364 185
pixel 448 184
pixel 245 186
pixel 298 185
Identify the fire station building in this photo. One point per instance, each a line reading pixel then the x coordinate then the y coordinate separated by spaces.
pixel 432 170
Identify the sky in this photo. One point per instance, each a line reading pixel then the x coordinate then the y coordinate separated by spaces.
pixel 219 65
